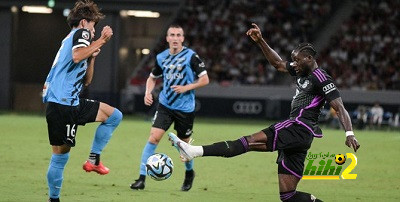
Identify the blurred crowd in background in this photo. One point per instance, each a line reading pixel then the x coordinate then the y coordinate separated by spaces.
pixel 364 117
pixel 364 53
pixel 361 55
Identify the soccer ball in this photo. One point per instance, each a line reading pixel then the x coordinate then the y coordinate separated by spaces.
pixel 340 159
pixel 159 166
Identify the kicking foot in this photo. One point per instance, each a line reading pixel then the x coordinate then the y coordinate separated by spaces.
pixel 183 147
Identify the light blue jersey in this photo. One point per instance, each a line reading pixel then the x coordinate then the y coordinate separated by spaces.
pixel 180 69
pixel 65 79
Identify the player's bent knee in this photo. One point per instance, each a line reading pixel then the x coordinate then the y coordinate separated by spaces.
pixel 115 118
pixel 118 116
pixel 257 142
pixel 155 138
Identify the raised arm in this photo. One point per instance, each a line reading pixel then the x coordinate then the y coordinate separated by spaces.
pixel 273 58
pixel 80 54
pixel 344 118
pixel 90 69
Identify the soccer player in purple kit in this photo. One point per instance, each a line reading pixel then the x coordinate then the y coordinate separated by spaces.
pixel 292 137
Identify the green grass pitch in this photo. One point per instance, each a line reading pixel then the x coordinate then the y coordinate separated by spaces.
pixel 25 154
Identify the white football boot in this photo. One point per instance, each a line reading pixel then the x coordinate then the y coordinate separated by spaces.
pixel 185 149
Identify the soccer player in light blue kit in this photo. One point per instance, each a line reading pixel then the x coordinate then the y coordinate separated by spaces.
pixel 72 68
pixel 182 71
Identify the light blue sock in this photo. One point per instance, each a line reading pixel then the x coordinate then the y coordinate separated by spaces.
pixel 148 150
pixel 55 174
pixel 189 165
pixel 104 131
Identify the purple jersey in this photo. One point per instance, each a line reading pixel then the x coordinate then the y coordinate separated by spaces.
pixel 311 94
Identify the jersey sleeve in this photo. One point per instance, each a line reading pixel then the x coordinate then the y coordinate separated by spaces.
pixel 157 71
pixel 325 85
pixel 290 69
pixel 197 65
pixel 82 38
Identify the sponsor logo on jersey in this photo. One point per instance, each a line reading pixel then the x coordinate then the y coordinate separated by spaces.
pixel 85 35
pixel 171 76
pixel 329 88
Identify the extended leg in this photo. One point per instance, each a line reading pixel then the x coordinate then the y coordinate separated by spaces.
pixel 255 142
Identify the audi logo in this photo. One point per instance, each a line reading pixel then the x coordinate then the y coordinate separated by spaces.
pixel 328 87
pixel 243 107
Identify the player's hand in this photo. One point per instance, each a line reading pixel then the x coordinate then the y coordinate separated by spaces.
pixel 106 33
pixel 96 53
pixel 254 33
pixel 148 99
pixel 351 141
pixel 179 89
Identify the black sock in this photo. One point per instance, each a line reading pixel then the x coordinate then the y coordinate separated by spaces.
pixel 189 173
pixel 94 158
pixel 142 177
pixel 226 149
pixel 298 197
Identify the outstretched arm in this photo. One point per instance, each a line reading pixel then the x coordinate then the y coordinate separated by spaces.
pixel 344 118
pixel 273 58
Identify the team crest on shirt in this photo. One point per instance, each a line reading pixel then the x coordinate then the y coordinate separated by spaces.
pixel 304 84
pixel 179 67
pixel 85 35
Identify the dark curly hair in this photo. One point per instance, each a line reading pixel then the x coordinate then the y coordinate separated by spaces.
pixel 84 9
pixel 307 48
